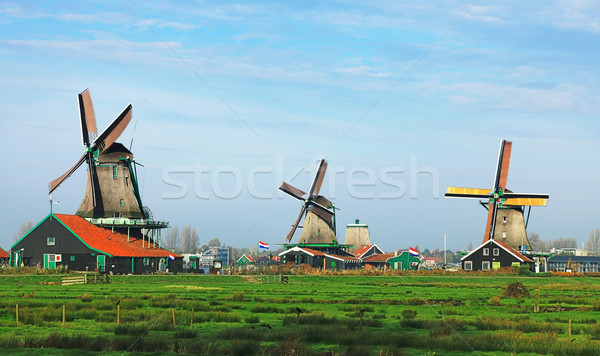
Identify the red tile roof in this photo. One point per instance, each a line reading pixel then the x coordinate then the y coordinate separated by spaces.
pixel 250 258
pixel 312 252
pixel 513 251
pixel 114 244
pixel 362 250
pixel 378 258
pixel 4 254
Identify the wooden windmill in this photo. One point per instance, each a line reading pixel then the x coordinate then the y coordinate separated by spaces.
pixel 318 212
pixel 505 220
pixel 112 189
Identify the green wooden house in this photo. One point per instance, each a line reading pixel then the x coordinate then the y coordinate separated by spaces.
pixel 245 260
pixel 404 261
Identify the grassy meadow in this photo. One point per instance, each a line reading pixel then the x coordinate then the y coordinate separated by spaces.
pixel 238 315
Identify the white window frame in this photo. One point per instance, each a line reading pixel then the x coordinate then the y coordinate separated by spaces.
pixel 468 265
pixel 483 264
pixel 503 234
pixel 496 251
pixel 486 251
pixel 48 241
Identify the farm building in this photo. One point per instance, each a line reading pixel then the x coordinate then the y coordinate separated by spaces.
pixel 430 262
pixel 404 261
pixel 4 258
pixel 367 250
pixel 318 259
pixel 581 264
pixel 377 260
pixel 264 260
pixel 245 260
pixel 72 241
pixel 493 254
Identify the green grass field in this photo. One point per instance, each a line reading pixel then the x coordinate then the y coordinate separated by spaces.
pixel 235 315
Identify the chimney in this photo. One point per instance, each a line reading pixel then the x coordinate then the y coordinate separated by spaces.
pixel 356 221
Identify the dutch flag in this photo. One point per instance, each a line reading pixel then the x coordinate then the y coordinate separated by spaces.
pixel 171 258
pixel 263 245
pixel 413 252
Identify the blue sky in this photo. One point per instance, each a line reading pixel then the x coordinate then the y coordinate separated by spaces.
pixel 255 92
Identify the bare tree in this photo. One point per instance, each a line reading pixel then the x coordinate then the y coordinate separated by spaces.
pixel 173 239
pixel 534 241
pixel 564 243
pixel 593 242
pixel 25 227
pixel 190 238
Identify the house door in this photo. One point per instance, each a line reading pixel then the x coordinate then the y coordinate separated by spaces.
pixel 49 261
pixel 397 265
pixel 18 258
pixel 495 265
pixel 101 261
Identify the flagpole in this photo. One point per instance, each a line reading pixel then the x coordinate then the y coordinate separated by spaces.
pixel 256 262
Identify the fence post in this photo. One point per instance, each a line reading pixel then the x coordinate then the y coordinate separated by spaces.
pixel 536 307
pixel 85 278
pixel 17 313
pixel 173 311
pixel 569 330
pixel 118 314
pixel 192 319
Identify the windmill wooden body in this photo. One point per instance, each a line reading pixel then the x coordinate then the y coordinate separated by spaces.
pixel 319 226
pixel 112 197
pixel 505 220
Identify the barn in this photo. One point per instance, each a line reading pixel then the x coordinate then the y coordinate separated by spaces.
pixel 493 254
pixel 73 242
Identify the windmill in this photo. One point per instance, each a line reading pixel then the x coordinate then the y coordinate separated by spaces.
pixel 319 212
pixel 503 204
pixel 112 189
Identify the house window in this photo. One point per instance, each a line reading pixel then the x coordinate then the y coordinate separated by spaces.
pixel 117 215
pixel 503 234
pixel 332 264
pixel 468 265
pixel 72 258
pixel 485 265
pixel 146 261
pixel 114 172
pixel 504 219
pixel 486 251
pixel 122 202
pixel 496 252
pixel 50 241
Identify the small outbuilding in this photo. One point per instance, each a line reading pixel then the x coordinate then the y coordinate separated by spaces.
pixel 404 261
pixel 73 242
pixel 4 258
pixel 493 254
pixel 245 260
